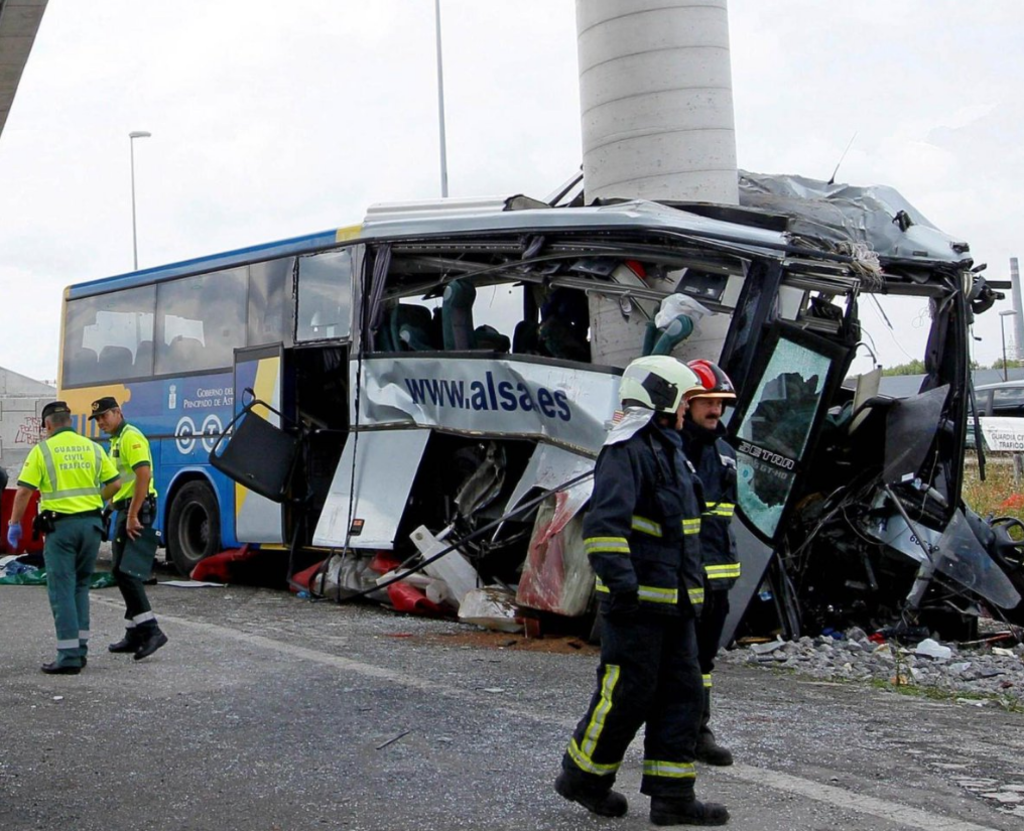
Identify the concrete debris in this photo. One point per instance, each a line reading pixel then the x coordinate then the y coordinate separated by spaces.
pixel 853 656
pixel 933 649
pixel 491 607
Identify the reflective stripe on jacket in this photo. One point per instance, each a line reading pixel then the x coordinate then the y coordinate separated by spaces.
pixel 642 531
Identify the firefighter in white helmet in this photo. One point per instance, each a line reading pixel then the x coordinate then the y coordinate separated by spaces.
pixel 641 534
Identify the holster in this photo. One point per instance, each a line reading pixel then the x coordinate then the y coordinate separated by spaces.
pixel 42 524
pixel 105 519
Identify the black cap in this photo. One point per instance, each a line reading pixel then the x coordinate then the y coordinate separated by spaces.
pixel 55 407
pixel 102 405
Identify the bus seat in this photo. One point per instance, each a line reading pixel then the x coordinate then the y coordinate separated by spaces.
pixel 457 319
pixel 184 353
pixel 525 338
pixel 569 306
pixel 561 341
pixel 144 358
pixel 83 366
pixel 678 330
pixel 411 328
pixel 489 338
pixel 115 362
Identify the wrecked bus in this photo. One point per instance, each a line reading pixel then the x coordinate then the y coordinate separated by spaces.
pixel 440 378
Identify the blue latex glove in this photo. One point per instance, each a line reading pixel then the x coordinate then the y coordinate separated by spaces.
pixel 14 533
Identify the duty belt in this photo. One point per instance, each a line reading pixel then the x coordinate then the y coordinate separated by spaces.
pixel 58 517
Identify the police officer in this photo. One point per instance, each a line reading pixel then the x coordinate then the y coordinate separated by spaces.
pixel 641 534
pixel 134 541
pixel 715 461
pixel 73 475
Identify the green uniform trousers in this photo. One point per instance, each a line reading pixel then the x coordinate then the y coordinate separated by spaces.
pixel 70 557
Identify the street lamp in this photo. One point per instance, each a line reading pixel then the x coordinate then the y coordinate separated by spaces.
pixel 1002 330
pixel 440 101
pixel 134 134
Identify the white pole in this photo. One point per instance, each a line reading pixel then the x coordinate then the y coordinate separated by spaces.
pixel 131 144
pixel 440 101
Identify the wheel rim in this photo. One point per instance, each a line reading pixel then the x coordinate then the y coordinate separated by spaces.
pixel 194 531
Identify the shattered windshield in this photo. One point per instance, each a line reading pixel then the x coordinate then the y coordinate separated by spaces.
pixel 774 433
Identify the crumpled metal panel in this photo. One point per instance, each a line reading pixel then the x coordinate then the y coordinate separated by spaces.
pixel 843 213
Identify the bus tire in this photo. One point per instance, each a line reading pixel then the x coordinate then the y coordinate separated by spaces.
pixel 193 526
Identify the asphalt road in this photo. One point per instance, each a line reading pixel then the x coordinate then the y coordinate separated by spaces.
pixel 269 713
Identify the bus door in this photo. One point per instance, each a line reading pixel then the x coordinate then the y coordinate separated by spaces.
pixel 779 414
pixel 261 369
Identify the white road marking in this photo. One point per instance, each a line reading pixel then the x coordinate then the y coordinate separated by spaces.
pixel 797 785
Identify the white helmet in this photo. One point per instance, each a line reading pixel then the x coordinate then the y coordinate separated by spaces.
pixel 657 382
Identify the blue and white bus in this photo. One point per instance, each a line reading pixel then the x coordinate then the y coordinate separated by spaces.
pixel 445 363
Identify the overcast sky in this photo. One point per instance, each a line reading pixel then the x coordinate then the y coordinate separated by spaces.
pixel 275 119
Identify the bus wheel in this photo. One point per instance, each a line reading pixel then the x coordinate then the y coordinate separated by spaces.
pixel 193 526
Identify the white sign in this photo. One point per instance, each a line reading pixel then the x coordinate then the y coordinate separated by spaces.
pixel 1003 434
pixel 504 397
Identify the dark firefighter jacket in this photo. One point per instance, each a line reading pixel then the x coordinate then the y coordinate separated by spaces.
pixel 642 532
pixel 715 462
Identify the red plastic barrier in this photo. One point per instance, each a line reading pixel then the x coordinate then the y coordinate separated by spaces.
pixel 383 562
pixel 219 566
pixel 28 545
pixel 406 598
pixel 301 579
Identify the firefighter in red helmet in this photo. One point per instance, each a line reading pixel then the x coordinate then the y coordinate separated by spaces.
pixel 715 461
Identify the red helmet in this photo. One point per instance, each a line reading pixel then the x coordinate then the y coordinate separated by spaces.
pixel 714 380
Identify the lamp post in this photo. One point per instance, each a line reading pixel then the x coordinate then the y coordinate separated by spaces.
pixel 440 101
pixel 1002 330
pixel 134 134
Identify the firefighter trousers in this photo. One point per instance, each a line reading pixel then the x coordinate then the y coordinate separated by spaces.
pixel 648 676
pixel 709 634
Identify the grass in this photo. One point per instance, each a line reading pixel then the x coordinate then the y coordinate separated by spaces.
pixel 1007 702
pixel 998 494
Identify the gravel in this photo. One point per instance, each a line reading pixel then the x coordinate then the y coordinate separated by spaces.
pixel 979 671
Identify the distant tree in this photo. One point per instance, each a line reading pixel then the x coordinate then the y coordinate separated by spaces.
pixel 998 364
pixel 915 367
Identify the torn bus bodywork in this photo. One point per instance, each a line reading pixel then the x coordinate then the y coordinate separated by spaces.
pixel 479 369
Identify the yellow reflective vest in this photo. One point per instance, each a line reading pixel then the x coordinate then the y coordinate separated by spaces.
pixel 68 470
pixel 129 449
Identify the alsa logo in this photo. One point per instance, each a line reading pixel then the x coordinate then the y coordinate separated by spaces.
pixel 488 395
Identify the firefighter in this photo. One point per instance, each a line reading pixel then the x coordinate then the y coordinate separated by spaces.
pixel 134 541
pixel 73 475
pixel 715 461
pixel 641 535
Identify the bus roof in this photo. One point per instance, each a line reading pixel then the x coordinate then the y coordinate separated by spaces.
pixel 455 217
pixel 743 230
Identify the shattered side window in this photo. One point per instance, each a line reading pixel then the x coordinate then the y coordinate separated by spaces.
pixel 775 430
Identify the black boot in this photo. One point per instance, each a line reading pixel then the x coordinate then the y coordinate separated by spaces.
pixel 151 641
pixel 601 801
pixel 707 750
pixel 673 810
pixel 57 669
pixel 710 752
pixel 129 643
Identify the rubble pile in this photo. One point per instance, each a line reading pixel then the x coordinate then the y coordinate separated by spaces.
pixel 975 669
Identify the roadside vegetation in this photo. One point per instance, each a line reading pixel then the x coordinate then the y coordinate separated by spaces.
pixel 998 494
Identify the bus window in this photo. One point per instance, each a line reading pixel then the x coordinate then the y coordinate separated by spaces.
pixel 200 321
pixel 109 337
pixel 269 285
pixel 325 296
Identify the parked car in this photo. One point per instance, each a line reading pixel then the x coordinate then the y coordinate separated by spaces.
pixel 1004 399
